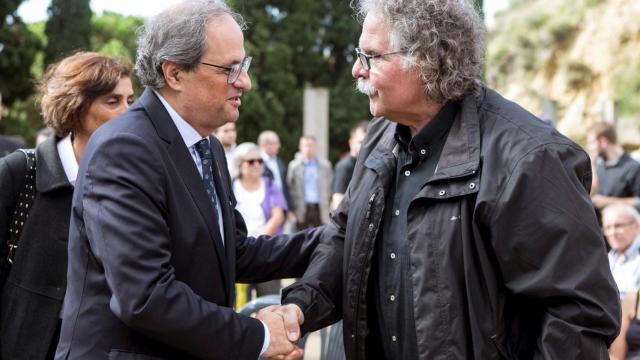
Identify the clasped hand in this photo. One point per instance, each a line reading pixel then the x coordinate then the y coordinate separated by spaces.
pixel 284 323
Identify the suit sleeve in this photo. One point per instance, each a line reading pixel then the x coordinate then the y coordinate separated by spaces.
pixel 124 211
pixel 319 292
pixel 550 251
pixel 267 258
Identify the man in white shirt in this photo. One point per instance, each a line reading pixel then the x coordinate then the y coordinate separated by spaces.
pixel 155 244
pixel 621 224
pixel 274 167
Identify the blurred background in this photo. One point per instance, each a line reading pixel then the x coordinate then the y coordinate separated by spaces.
pixel 571 62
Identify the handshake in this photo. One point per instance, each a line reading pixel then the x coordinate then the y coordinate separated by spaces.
pixel 284 323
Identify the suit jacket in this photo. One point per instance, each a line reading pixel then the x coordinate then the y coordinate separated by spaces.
pixel 295 179
pixel 149 275
pixel 283 177
pixel 31 299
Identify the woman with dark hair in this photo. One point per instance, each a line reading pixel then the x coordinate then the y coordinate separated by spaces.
pixel 79 94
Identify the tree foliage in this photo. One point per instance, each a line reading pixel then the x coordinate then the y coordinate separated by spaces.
pixel 68 28
pixel 296 44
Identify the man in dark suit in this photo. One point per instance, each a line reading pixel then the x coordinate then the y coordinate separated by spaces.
pixel 274 168
pixel 155 244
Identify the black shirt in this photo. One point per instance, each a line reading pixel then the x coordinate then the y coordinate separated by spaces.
pixel 621 179
pixel 342 174
pixel 391 280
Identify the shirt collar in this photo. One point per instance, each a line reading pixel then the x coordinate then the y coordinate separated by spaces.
pixel 431 134
pixel 189 135
pixel 68 159
pixel 266 157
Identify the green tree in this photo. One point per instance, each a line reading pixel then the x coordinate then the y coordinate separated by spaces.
pixel 114 34
pixel 68 28
pixel 296 44
pixel 18 49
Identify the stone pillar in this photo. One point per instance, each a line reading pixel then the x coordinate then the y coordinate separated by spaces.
pixel 316 118
pixel 609 111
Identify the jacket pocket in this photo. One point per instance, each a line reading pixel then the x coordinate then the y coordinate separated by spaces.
pixel 117 354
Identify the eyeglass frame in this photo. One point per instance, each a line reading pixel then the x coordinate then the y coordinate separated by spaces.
pixel 244 65
pixel 366 63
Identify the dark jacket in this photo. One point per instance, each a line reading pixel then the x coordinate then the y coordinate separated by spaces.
pixel 505 251
pixel 32 298
pixel 149 275
pixel 283 178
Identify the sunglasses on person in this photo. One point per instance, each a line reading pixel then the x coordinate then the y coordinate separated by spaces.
pixel 252 162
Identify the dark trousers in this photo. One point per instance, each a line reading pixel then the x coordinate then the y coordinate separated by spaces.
pixel 311 217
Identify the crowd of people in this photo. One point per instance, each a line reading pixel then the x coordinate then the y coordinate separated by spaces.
pixel 458 225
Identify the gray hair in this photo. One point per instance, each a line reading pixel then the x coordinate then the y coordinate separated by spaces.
pixel 178 34
pixel 240 154
pixel 622 208
pixel 267 136
pixel 444 41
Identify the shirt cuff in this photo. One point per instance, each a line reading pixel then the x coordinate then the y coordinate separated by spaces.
pixel 267 338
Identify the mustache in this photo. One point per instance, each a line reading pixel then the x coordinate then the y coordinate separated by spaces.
pixel 364 86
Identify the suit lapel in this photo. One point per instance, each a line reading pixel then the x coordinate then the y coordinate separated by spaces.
pixel 188 172
pixel 222 184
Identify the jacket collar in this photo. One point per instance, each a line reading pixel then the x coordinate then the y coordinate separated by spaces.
pixel 461 153
pixel 50 174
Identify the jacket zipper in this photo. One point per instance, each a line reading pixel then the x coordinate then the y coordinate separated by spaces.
pixel 367 217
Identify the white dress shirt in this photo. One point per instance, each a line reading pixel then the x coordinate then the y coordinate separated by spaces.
pixel 68 159
pixel 190 137
pixel 272 164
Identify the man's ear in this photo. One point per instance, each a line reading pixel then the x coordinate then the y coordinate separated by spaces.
pixel 172 75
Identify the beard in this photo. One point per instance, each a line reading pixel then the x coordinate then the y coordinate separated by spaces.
pixel 364 86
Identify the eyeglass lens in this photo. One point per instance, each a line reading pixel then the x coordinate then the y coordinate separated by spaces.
pixel 236 69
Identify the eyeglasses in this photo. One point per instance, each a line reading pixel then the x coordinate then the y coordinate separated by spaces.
pixel 254 161
pixel 365 59
pixel 619 226
pixel 234 70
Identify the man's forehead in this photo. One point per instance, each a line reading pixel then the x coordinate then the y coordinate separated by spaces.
pixel 375 34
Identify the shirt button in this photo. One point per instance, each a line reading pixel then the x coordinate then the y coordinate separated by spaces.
pixel 407 173
pixel 392 298
pixel 442 193
pixel 397 212
pixel 392 256
pixel 423 151
pixel 393 338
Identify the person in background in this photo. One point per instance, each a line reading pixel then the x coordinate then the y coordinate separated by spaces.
pixel 79 94
pixel 43 134
pixel 8 144
pixel 627 344
pixel 309 179
pixel 227 136
pixel 274 167
pixel 344 168
pixel 621 224
pixel 617 174
pixel 254 192
pixel 259 200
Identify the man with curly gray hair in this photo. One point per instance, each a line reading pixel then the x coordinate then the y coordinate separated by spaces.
pixel 467 231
